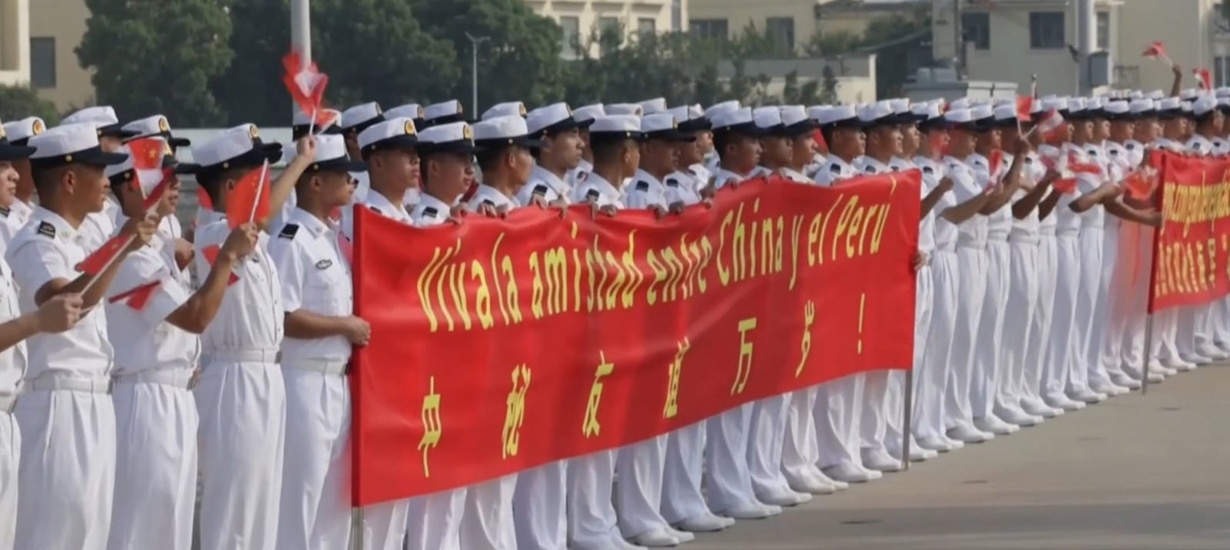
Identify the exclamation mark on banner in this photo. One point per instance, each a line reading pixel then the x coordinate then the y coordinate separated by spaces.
pixel 862 305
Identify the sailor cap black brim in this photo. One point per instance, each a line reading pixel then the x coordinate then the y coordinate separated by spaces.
pixel 93 156
pixel 570 123
pixel 1166 114
pixel 460 147
pixel 746 128
pixel 852 122
pixel 259 154
pixel 696 125
pixel 799 128
pixel 341 164
pixel 9 152
pixel 357 128
pixel 116 130
pixel 670 135
pixel 500 143
pixel 404 141
pixel 179 142
pixel 299 130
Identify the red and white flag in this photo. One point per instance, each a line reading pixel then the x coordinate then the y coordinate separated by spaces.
pixel 1140 183
pixel 1205 78
pixel 1050 125
pixel 101 259
pixel 306 85
pixel 211 256
pixel 137 298
pixel 1024 108
pixel 1157 50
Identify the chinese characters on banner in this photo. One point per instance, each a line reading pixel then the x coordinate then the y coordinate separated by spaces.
pixel 499 345
pixel 1192 247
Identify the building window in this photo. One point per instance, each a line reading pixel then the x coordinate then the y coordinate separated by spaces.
pixel 646 26
pixel 1221 71
pixel 676 15
pixel 570 42
pixel 714 29
pixel 610 35
pixel 781 30
pixel 43 62
pixel 1046 30
pixel 976 27
pixel 1104 30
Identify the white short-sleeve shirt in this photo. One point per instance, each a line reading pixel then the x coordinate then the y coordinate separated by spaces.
pixel 545 184
pixel 597 189
pixel 645 192
pixel 251 315
pixel 490 196
pixel 430 211
pixel 314 277
pixel 143 339
pixel 12 360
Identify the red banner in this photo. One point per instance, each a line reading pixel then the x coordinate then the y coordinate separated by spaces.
pixel 499 345
pixel 1192 248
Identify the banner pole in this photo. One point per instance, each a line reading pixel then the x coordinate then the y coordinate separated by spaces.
pixel 356 528
pixel 907 422
pixel 1144 381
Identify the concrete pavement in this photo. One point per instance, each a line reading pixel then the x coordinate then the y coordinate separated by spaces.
pixel 1140 472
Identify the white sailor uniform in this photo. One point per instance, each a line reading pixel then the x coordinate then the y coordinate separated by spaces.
pixel 67 419
pixel 314 277
pixel 1092 224
pixel 1061 347
pixel 543 184
pixel 12 370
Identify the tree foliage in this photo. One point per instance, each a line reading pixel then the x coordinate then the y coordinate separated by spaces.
pixel 157 56
pixel 18 102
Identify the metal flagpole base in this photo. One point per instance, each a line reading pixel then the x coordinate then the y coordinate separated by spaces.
pixel 907 425
pixel 356 529
pixel 1144 370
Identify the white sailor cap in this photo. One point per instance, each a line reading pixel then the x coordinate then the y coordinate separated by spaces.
pixel 722 107
pixel 1053 102
pixel 445 112
pixel 930 115
pixel 616 126
pixel 768 119
pixel 102 118
pixel 450 137
pixel 155 126
pixel 652 106
pixel 358 118
pixel 237 147
pixel 815 110
pixel 959 103
pixel 514 108
pixel 901 105
pixel 124 172
pixel 795 121
pixel 503 131
pixel 394 133
pixel 691 118
pixel 412 111
pixel 1076 106
pixel 839 115
pixel 736 121
pixel 1006 115
pixel 70 144
pixel 1185 106
pixel 1204 104
pixel 1223 91
pixel 557 117
pixel 1189 94
pixel 331 155
pixel 19 131
pixel 663 126
pixel 11 151
pixel 1156 95
pixel 880 112
pixel 1223 103
pixel 1136 94
pixel 589 112
pixel 1093 104
pixel 625 109
pixel 1117 110
pixel 983 114
pixel 1169 104
pixel 1141 107
pixel 959 117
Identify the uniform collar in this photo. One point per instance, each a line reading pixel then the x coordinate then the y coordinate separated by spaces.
pixel 795 175
pixel 603 186
pixel 308 221
pixel 213 216
pixel 642 175
pixel 540 173
pixel 727 174
pixel 442 210
pixel 842 165
pixel 700 172
pixel 63 229
pixel 375 199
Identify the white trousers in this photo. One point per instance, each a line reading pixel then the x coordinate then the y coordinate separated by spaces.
pixel 433 522
pixel 1088 328
pixel 1018 322
pixel 156 467
pixel 315 505
pixel 242 438
pixel 1163 346
pixel 685 460
pixel 765 443
pixel 1039 347
pixel 10 458
pixel 1119 249
pixel 931 382
pixel 487 523
pixel 873 411
pixel 986 373
pixel 638 495
pixel 726 476
pixel 894 406
pixel 800 451
pixel 539 507
pixel 972 266
pixel 67 473
pixel 1134 303
pixel 591 513
pixel 838 411
pixel 1061 362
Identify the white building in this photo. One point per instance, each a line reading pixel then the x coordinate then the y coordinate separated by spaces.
pixel 582 19
pixel 14 42
pixel 1008 40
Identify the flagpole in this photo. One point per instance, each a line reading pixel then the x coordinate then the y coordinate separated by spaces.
pixel 260 187
pixel 312 123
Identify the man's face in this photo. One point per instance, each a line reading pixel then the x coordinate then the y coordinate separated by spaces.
pixel 89 187
pixel 1172 128
pixel 400 165
pixel 523 165
pixel 990 140
pixel 775 150
pixel 1122 130
pixel 744 153
pixel 336 188
pixel 884 140
pixel 961 141
pixel 1101 129
pixel 564 148
pixel 704 142
pixel 849 143
pixel 690 152
pixel 659 156
pixel 449 175
pixel 802 151
pixel 910 139
pixel 8 184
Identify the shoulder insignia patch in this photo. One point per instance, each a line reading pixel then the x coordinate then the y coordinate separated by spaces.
pixel 672 182
pixel 1114 152
pixel 540 189
pixel 870 169
pixel 5 211
pixel 289 231
pixel 430 211
pixel 1130 146
pixel 835 168
pixel 487 202
pixel 928 170
pixel 376 210
pixel 324 264
pixel 582 176
pixel 46 229
pixel 642 185
pixel 592 194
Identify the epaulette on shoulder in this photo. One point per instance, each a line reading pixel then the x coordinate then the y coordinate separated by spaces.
pixel 672 182
pixel 288 231
pixel 642 185
pixel 592 194
pixel 47 230
pixel 429 212
pixel 5 211
pixel 928 170
pixel 540 189
pixel 869 169
pixel 835 168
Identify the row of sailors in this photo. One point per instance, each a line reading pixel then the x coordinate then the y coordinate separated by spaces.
pixel 119 470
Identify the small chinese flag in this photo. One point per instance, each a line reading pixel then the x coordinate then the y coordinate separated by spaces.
pixel 1140 182
pixel 147 153
pixel 1157 50
pixel 96 262
pixel 138 297
pixel 996 162
pixel 1082 167
pixel 306 85
pixel 155 194
pixel 211 255
pixel 249 200
pixel 1024 107
pixel 1066 186
pixel 818 137
pixel 1205 78
pixel 1050 125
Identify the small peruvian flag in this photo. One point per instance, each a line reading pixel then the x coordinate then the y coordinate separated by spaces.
pixel 1050 124
pixel 306 85
pixel 1157 50
pixel 137 298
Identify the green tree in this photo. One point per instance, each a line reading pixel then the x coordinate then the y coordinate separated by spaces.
pixel 18 102
pixel 829 95
pixel 157 56
pixel 832 43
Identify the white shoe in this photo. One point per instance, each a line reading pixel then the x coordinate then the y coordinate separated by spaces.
pixel 1087 396
pixel 880 460
pixel 850 473
pixel 1191 361
pixel 1062 401
pixel 751 510
pixel 968 434
pixel 813 483
pixel 939 445
pixel 1037 407
pixel 705 523
pixel 1125 381
pixel 993 424
pixel 825 480
pixel 1212 352
pixel 1163 369
pixel 784 498
pixel 681 536
pixel 1017 417
pixel 658 538
pixel 919 454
